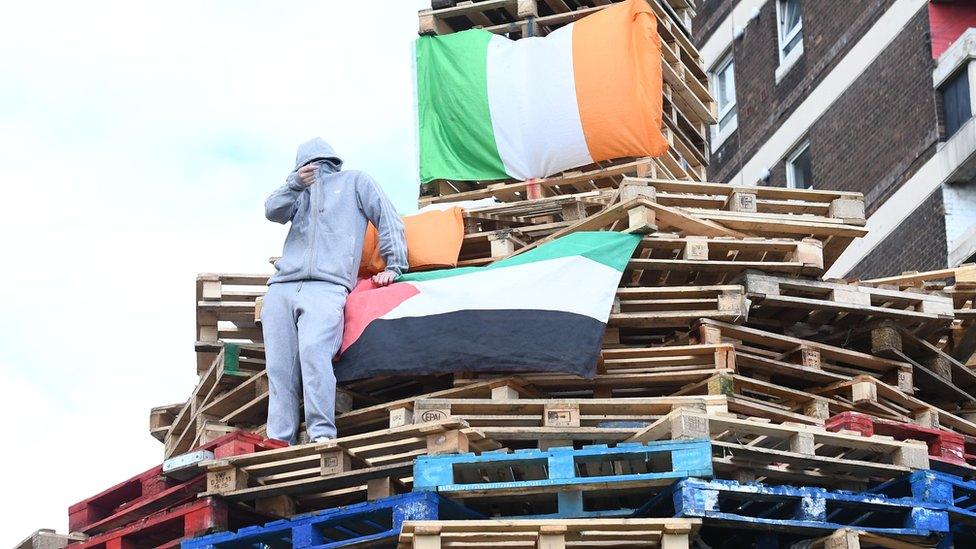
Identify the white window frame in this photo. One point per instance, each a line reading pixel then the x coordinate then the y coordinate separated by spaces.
pixel 720 134
pixel 791 164
pixel 787 60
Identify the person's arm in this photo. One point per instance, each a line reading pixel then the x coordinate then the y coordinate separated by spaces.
pixel 281 205
pixel 389 226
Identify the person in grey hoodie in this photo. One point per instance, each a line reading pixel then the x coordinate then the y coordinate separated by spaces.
pixel 302 318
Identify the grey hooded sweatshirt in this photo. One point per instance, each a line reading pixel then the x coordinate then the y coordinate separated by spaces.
pixel 328 221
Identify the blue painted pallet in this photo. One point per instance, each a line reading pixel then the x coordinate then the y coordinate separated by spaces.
pixel 955 495
pixel 949 492
pixel 791 509
pixel 531 479
pixel 360 524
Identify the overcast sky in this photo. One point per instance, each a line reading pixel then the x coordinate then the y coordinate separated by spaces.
pixel 138 141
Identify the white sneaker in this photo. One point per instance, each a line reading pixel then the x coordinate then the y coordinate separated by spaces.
pixel 321 439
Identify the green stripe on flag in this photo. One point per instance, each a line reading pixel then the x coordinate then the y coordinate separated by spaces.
pixel 456 136
pixel 610 248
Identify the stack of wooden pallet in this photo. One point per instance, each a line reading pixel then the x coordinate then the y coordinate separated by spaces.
pixel 739 400
pixel 689 108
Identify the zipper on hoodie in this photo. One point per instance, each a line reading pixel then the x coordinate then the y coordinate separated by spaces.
pixel 314 220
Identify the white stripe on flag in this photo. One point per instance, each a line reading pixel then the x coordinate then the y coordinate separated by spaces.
pixel 532 99
pixel 549 285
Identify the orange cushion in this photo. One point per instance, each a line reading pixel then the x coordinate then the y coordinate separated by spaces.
pixel 433 242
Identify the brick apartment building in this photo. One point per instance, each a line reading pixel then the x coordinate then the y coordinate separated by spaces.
pixel 874 96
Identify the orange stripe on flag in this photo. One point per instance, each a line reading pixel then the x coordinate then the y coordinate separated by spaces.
pixel 617 70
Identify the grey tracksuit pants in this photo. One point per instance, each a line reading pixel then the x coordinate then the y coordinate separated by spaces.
pixel 302 323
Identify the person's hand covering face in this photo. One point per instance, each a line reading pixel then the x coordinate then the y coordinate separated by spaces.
pixel 306 174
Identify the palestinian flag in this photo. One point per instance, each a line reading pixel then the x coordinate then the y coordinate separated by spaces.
pixel 544 310
pixel 492 108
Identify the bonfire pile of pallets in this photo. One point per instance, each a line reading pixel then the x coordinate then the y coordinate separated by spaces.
pixel 740 399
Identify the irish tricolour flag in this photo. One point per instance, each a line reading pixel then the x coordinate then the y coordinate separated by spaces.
pixel 544 310
pixel 492 108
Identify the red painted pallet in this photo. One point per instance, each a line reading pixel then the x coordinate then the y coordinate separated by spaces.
pixel 168 528
pixel 945 446
pixel 151 491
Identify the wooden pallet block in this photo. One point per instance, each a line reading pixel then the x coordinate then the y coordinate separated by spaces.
pixel 549 533
pixel 744 449
pixel 161 419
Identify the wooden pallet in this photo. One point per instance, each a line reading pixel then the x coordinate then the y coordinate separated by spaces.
pixel 798 363
pixel 759 450
pixel 225 312
pixel 170 527
pixel 338 472
pixel 782 302
pixel 369 524
pixel 948 451
pixel 954 494
pixel 403 411
pixel 593 481
pixel 668 259
pixel 604 175
pixel 674 307
pixel 729 504
pixel 749 397
pixel 155 490
pixel 549 533
pixel 848 538
pixel 236 374
pixel 959 284
pixel 686 209
pixel 546 423
pixel 833 218
pixel 446 16
pixel 940 379
pixel 684 75
pixel 870 395
pixel 633 372
pixel 161 419
pixel 45 538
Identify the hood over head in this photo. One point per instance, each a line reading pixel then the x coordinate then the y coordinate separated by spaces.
pixel 316 149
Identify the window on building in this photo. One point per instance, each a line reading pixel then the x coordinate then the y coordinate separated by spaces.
pixel 956 108
pixel 799 174
pixel 790 28
pixel 723 82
